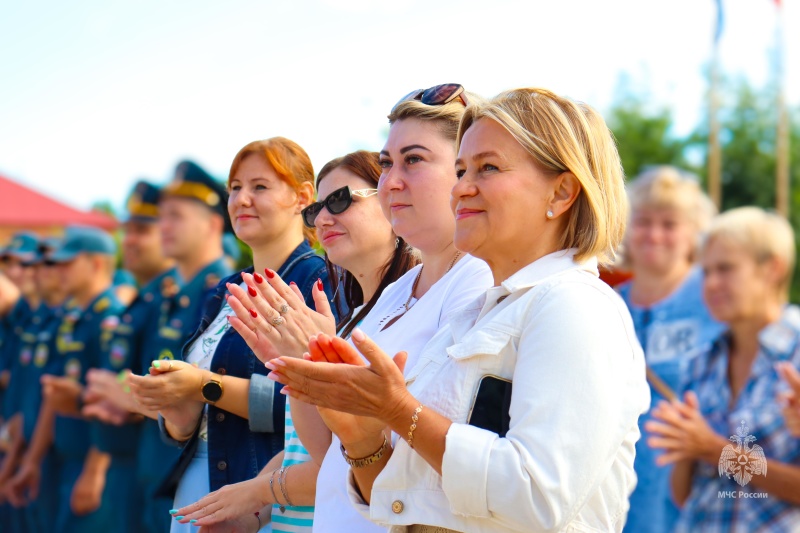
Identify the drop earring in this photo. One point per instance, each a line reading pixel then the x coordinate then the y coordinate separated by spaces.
pixel 549 214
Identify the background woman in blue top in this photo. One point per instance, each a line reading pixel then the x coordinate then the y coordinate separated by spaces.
pixel 270 182
pixel 669 213
pixel 737 466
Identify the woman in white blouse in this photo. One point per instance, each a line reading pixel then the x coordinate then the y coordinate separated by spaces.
pixel 547 359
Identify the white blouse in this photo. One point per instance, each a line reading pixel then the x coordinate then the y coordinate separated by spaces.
pixel 566 340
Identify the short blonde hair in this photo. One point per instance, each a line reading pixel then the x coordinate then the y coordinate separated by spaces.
pixel 668 187
pixel 566 136
pixel 762 234
pixel 447 117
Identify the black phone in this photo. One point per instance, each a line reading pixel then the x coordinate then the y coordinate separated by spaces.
pixel 490 410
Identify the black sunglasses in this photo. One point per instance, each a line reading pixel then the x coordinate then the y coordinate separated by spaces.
pixel 336 202
pixel 436 95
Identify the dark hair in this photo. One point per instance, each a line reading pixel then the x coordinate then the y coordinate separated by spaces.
pixel 365 165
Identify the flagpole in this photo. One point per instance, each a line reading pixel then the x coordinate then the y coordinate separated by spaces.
pixel 714 151
pixel 782 141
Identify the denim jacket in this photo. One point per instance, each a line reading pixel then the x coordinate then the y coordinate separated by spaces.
pixel 239 448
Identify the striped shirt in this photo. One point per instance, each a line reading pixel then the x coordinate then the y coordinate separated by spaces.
pixel 294 519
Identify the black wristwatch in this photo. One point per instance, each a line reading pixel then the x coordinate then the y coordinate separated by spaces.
pixel 211 391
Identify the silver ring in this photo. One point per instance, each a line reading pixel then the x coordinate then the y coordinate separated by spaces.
pixel 170 364
pixel 276 321
pixel 284 309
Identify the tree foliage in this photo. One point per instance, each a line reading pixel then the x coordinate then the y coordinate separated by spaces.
pixel 748 125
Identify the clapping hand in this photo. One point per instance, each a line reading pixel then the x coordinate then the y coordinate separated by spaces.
pixel 682 432
pixel 790 399
pixel 273 318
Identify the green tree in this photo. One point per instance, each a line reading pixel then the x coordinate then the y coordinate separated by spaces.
pixel 644 134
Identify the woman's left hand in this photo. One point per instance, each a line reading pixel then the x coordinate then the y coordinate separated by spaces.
pixel 170 382
pixel 337 380
pixel 682 432
pixel 228 503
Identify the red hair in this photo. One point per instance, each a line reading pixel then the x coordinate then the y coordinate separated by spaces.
pixel 289 161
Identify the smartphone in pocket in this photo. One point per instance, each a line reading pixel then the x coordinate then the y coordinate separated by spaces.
pixel 490 408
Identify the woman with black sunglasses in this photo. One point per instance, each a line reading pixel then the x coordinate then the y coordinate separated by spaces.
pixel 417 163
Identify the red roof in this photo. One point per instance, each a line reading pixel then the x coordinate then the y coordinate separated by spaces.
pixel 23 207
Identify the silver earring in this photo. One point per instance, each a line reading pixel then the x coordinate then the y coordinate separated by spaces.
pixel 396 243
pixel 549 214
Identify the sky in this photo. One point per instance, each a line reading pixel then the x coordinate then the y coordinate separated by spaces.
pixel 95 95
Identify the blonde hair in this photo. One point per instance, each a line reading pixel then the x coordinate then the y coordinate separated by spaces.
pixel 447 117
pixel 668 187
pixel 762 234
pixel 566 136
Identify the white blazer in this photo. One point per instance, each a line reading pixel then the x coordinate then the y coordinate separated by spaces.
pixel 566 340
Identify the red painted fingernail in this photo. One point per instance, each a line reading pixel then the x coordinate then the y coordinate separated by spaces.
pixel 270 274
pixel 293 284
pixel 253 313
pixel 257 277
pixel 228 317
pixel 319 284
pixel 251 291
pixel 227 296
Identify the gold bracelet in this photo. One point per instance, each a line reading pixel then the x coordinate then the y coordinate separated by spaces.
pixel 414 420
pixel 368 460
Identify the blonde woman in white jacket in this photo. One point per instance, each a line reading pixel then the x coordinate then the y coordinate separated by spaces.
pixel 521 414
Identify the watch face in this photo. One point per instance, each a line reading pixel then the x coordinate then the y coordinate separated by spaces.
pixel 212 391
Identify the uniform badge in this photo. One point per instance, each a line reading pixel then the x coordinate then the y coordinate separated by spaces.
pixel 175 323
pixel 25 356
pixel 212 280
pixel 109 323
pixel 184 301
pixel 165 354
pixel 73 369
pixel 101 305
pixel 118 353
pixel 168 287
pixel 148 297
pixel 40 357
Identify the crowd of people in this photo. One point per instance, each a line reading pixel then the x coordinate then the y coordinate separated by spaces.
pixel 425 341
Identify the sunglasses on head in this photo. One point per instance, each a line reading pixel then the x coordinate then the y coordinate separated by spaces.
pixel 436 95
pixel 336 202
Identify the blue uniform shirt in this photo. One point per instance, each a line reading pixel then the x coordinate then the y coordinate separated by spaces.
pixel 37 344
pixel 124 349
pixel 81 339
pixel 670 332
pixel 15 324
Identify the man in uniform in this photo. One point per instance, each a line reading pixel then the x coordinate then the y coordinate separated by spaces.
pixel 86 259
pixel 18 317
pixel 105 397
pixel 34 357
pixel 193 216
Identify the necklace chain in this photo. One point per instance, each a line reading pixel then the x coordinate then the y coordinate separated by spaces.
pixel 408 304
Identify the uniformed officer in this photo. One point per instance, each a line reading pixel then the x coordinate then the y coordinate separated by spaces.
pixel 36 344
pixel 86 259
pixel 18 319
pixel 192 219
pixel 142 256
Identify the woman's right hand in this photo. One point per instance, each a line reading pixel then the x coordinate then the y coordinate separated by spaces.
pixel 273 318
pixel 354 431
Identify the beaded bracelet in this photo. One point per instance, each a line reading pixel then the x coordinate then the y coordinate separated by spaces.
pixel 414 420
pixel 274 496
